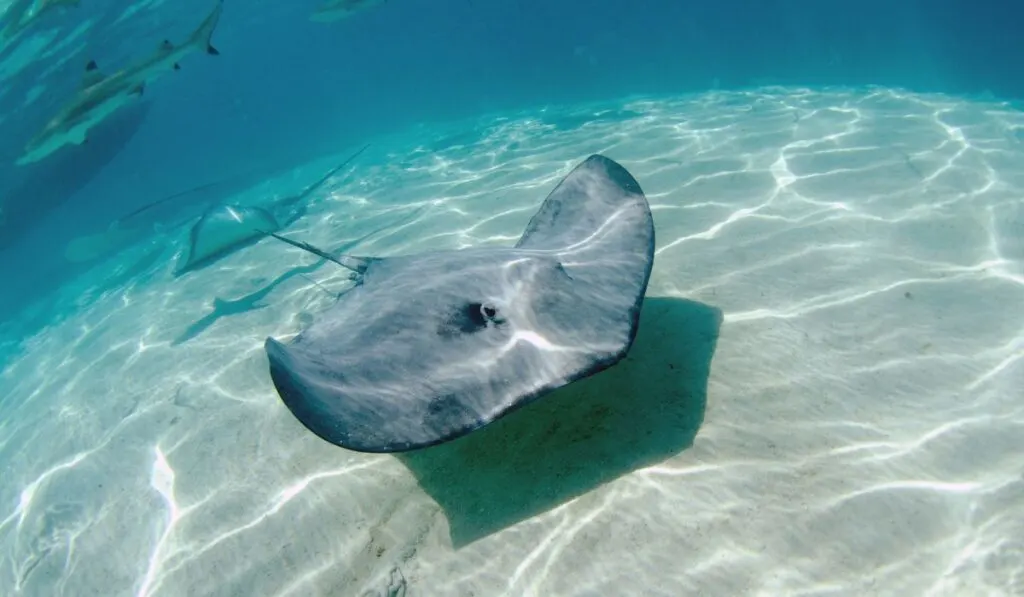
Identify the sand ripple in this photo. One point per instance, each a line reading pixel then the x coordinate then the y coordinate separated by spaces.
pixel 824 398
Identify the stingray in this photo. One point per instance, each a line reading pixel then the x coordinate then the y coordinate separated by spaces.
pixel 426 348
pixel 226 228
pixel 163 213
pixel 254 300
pixel 126 229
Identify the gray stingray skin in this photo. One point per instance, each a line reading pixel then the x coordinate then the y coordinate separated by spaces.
pixel 238 226
pixel 426 348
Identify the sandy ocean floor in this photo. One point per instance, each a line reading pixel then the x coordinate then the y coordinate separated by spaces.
pixel 824 397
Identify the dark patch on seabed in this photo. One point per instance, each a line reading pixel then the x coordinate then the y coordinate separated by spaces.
pixel 244 304
pixel 251 301
pixel 642 411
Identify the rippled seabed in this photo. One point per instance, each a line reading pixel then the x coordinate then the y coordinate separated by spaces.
pixel 852 259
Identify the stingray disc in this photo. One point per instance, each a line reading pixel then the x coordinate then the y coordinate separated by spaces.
pixel 429 347
pixel 223 230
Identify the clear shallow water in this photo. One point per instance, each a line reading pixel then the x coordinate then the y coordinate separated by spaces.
pixel 822 399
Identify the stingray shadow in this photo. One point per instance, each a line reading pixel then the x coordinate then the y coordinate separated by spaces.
pixel 251 301
pixel 244 304
pixel 640 412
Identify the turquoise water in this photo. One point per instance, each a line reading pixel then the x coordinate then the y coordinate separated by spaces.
pixel 822 398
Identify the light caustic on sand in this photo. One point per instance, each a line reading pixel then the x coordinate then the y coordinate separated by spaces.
pixel 862 424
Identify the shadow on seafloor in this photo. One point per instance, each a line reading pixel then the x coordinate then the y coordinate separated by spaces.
pixel 645 409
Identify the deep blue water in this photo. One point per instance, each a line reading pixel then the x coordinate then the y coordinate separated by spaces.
pixel 286 89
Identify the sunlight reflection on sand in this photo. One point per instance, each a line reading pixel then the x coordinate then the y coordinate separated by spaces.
pixel 862 419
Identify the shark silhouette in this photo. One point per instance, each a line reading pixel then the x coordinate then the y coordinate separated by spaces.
pixel 102 95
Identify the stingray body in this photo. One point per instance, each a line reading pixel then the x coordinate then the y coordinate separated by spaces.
pixel 426 348
pixel 225 228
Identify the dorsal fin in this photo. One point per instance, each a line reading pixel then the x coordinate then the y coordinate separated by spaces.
pixel 166 46
pixel 92 75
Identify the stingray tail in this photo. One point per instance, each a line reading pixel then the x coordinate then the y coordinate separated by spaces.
pixel 331 173
pixel 356 264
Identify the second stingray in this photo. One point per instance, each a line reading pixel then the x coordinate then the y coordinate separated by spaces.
pixel 226 228
pixel 426 348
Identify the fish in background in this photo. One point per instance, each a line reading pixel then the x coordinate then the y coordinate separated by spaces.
pixel 335 10
pixel 29 193
pixel 22 14
pixel 102 95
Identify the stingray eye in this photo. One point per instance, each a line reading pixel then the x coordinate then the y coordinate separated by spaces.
pixel 470 318
pixel 474 317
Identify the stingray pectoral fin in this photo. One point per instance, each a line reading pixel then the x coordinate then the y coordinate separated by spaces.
pixel 307 393
pixel 291 388
pixel 356 415
pixel 595 198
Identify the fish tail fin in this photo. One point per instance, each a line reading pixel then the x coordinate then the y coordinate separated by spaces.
pixel 203 35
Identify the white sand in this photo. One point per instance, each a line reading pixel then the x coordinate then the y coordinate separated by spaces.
pixel 854 260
